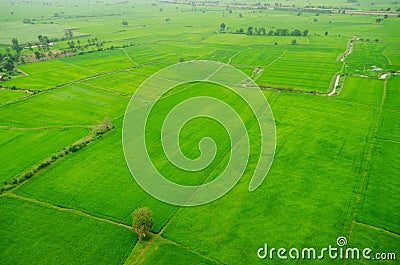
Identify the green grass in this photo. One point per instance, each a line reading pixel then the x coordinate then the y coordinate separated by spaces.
pixel 35 233
pixel 362 90
pixel 76 104
pixel 29 147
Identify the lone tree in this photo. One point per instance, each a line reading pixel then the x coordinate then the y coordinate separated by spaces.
pixel 68 34
pixel 142 221
pixel 222 27
pixel 124 23
pixel 16 46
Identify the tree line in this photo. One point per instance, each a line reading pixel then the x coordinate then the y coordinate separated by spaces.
pixel 272 32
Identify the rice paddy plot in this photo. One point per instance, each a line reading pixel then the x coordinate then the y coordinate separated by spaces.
pixel 33 232
pixel 164 52
pixel 393 94
pixel 380 206
pixel 367 59
pixel 258 56
pixel 390 126
pixel 29 32
pixel 97 181
pixel 101 62
pixel 223 56
pixel 73 105
pixel 124 82
pixel 301 71
pixel 244 40
pixel 11 95
pixel 362 90
pixel 46 75
pixel 392 52
pixel 24 148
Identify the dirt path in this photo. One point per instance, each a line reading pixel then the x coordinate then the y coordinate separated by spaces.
pixel 129 58
pixel 335 86
pixel 348 52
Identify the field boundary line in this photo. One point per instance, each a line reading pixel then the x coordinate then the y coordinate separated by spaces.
pixel 235 55
pixel 213 73
pixel 387 57
pixel 108 90
pixel 276 59
pixel 388 140
pixel 204 54
pixel 46 127
pixel 377 228
pixel 65 209
pixel 129 57
pixel 79 67
pixel 191 250
pixel 16 100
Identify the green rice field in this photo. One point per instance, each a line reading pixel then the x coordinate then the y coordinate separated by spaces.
pixel 67 192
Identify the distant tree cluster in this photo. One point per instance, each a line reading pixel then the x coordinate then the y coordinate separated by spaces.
pixel 272 32
pixel 78 45
pixel 7 63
